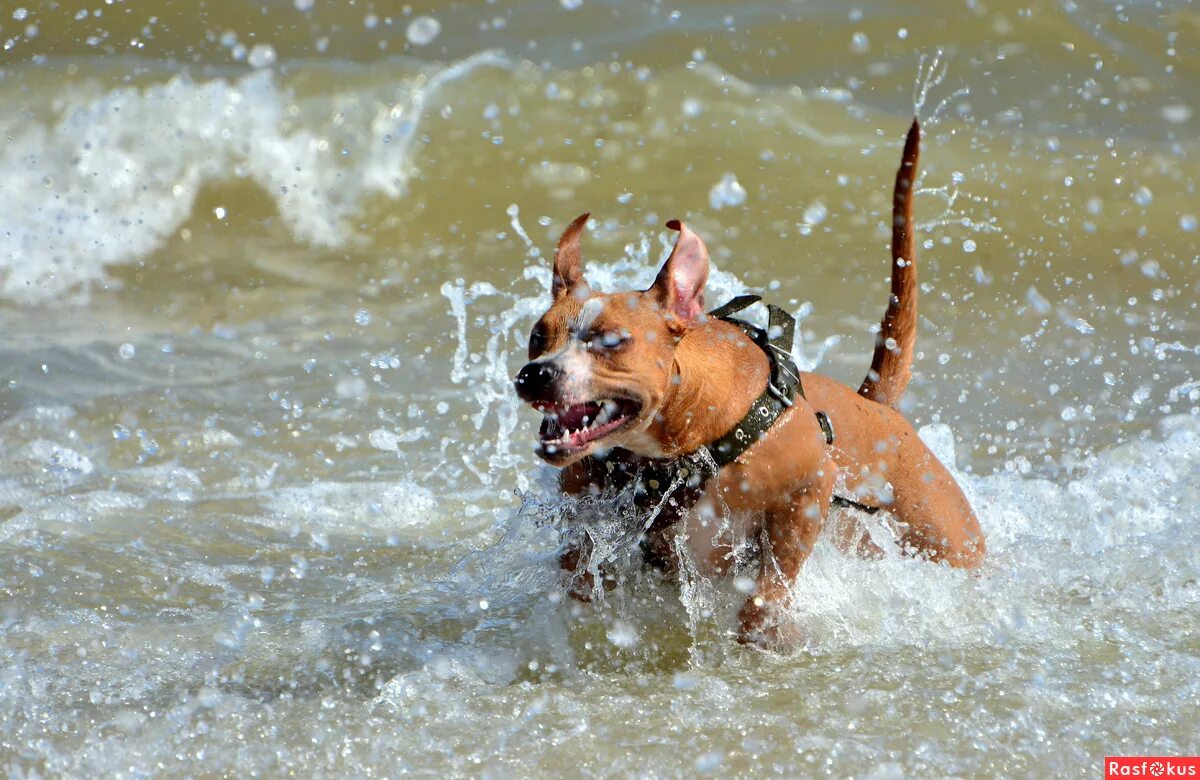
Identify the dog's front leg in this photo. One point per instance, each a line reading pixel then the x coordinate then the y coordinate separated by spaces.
pixel 789 534
pixel 575 561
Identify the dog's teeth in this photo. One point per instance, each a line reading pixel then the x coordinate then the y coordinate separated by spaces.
pixel 607 408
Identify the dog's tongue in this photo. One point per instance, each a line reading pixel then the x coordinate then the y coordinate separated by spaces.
pixel 575 417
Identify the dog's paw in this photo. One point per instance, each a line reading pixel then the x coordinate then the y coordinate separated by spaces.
pixel 766 625
pixel 581 586
pixel 579 590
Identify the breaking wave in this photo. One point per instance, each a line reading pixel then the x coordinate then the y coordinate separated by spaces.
pixel 118 171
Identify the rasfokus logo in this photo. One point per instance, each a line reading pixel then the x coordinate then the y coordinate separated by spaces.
pixel 1151 766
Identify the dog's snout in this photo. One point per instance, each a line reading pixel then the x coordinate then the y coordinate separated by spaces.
pixel 536 380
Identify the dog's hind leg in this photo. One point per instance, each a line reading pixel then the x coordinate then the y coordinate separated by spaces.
pixel 936 518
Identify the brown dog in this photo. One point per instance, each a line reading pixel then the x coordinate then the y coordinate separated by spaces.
pixel 640 380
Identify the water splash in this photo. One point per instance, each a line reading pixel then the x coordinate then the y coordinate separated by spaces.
pixel 95 190
pixel 952 214
pixel 931 72
pixel 531 249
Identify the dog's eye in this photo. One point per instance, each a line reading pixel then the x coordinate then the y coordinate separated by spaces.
pixel 609 340
pixel 537 341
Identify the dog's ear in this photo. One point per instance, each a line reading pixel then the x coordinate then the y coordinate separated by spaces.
pixel 679 286
pixel 568 266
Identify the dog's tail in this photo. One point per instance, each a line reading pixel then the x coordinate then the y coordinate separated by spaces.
pixel 891 366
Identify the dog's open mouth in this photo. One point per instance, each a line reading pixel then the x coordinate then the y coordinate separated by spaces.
pixel 566 429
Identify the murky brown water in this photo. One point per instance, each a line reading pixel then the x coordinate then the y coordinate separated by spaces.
pixel 267 267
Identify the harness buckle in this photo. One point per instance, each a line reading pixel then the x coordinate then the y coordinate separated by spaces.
pixel 826 426
pixel 780 396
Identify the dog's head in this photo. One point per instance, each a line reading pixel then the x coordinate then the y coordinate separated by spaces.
pixel 601 365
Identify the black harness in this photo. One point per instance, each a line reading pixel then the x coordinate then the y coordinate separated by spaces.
pixel 666 488
pixel 782 386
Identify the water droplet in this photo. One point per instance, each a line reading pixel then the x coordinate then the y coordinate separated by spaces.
pixel 1187 222
pixel 1081 325
pixel 422 30
pixel 815 214
pixel 20 14
pixel 261 56
pixel 127 351
pixel 362 317
pixel 303 5
pixel 1143 196
pixel 385 440
pixel 727 192
pixel 1037 301
pixel 1177 113
pixel 219 212
pixel 859 43
pixel 570 5
pixel 351 387
pixel 968 246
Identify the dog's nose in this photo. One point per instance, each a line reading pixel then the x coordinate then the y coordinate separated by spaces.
pixel 535 380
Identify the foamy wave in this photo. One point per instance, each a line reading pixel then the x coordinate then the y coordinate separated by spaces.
pixel 120 172
pixel 348 508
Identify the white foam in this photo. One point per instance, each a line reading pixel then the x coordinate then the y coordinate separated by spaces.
pixel 1047 542
pixel 77 513
pixel 119 172
pixel 349 508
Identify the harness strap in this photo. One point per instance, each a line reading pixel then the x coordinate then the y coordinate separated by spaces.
pixel 734 306
pixel 782 386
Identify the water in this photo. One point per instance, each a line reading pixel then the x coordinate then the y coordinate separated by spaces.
pixel 268 505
